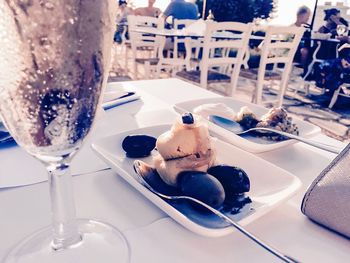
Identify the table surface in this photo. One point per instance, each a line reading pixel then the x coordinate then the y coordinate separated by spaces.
pixel 151 234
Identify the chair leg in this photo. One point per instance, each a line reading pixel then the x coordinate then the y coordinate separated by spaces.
pixel 126 53
pixel 259 92
pixel 309 70
pixel 157 71
pixel 147 70
pixel 135 69
pixel 204 78
pixel 334 98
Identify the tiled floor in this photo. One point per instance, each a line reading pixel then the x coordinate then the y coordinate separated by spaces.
pixel 333 122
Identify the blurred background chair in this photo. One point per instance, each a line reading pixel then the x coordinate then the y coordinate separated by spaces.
pixel 277 52
pixel 222 57
pixel 343 91
pixel 145 47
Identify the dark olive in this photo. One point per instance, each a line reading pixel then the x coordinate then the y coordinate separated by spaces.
pixel 139 145
pixel 203 187
pixel 233 179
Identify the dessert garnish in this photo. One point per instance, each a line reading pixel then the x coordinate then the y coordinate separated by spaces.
pixel 138 145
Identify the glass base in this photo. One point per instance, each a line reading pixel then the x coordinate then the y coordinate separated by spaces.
pixel 100 243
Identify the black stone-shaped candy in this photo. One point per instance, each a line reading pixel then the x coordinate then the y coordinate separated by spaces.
pixel 203 187
pixel 233 179
pixel 139 145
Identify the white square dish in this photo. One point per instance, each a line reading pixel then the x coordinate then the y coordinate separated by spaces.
pixel 270 185
pixel 251 144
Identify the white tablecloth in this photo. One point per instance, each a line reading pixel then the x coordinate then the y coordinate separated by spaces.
pixel 152 235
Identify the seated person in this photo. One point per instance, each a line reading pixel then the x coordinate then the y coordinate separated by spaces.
pixel 180 9
pixel 331 74
pixel 121 20
pixel 332 20
pixel 303 51
pixel 150 10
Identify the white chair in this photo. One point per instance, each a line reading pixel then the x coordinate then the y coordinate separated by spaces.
pixel 144 46
pixel 177 59
pixel 343 91
pixel 195 43
pixel 175 62
pixel 222 58
pixel 278 47
pixel 315 55
pixel 180 24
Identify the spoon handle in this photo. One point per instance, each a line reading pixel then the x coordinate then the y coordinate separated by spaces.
pixel 329 148
pixel 272 250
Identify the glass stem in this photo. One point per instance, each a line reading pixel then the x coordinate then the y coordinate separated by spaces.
pixel 65 230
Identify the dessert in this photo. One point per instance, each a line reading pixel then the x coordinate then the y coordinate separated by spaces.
pixel 187 146
pixel 185 165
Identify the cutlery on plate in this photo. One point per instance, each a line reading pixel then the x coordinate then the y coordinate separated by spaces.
pixel 5 137
pixel 237 129
pixel 124 98
pixel 141 169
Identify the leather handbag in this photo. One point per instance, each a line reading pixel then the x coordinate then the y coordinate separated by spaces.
pixel 327 201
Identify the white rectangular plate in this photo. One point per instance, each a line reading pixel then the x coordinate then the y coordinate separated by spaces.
pixel 251 144
pixel 270 185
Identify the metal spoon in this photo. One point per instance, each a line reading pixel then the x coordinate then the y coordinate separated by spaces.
pixel 237 129
pixel 142 169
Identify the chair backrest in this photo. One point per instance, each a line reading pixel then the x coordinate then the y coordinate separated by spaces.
pixel 180 42
pixel 143 40
pixel 279 47
pixel 224 46
pixel 182 23
pixel 280 44
pixel 225 43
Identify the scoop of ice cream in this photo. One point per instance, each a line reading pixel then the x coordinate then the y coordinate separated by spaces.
pixel 219 109
pixel 169 170
pixel 184 139
pixel 187 146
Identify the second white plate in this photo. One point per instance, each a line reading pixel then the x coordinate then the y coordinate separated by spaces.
pixel 253 144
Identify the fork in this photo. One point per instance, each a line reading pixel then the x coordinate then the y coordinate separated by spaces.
pixel 142 181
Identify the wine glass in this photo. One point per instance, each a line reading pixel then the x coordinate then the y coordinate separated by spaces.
pixel 54 60
pixel 341 30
